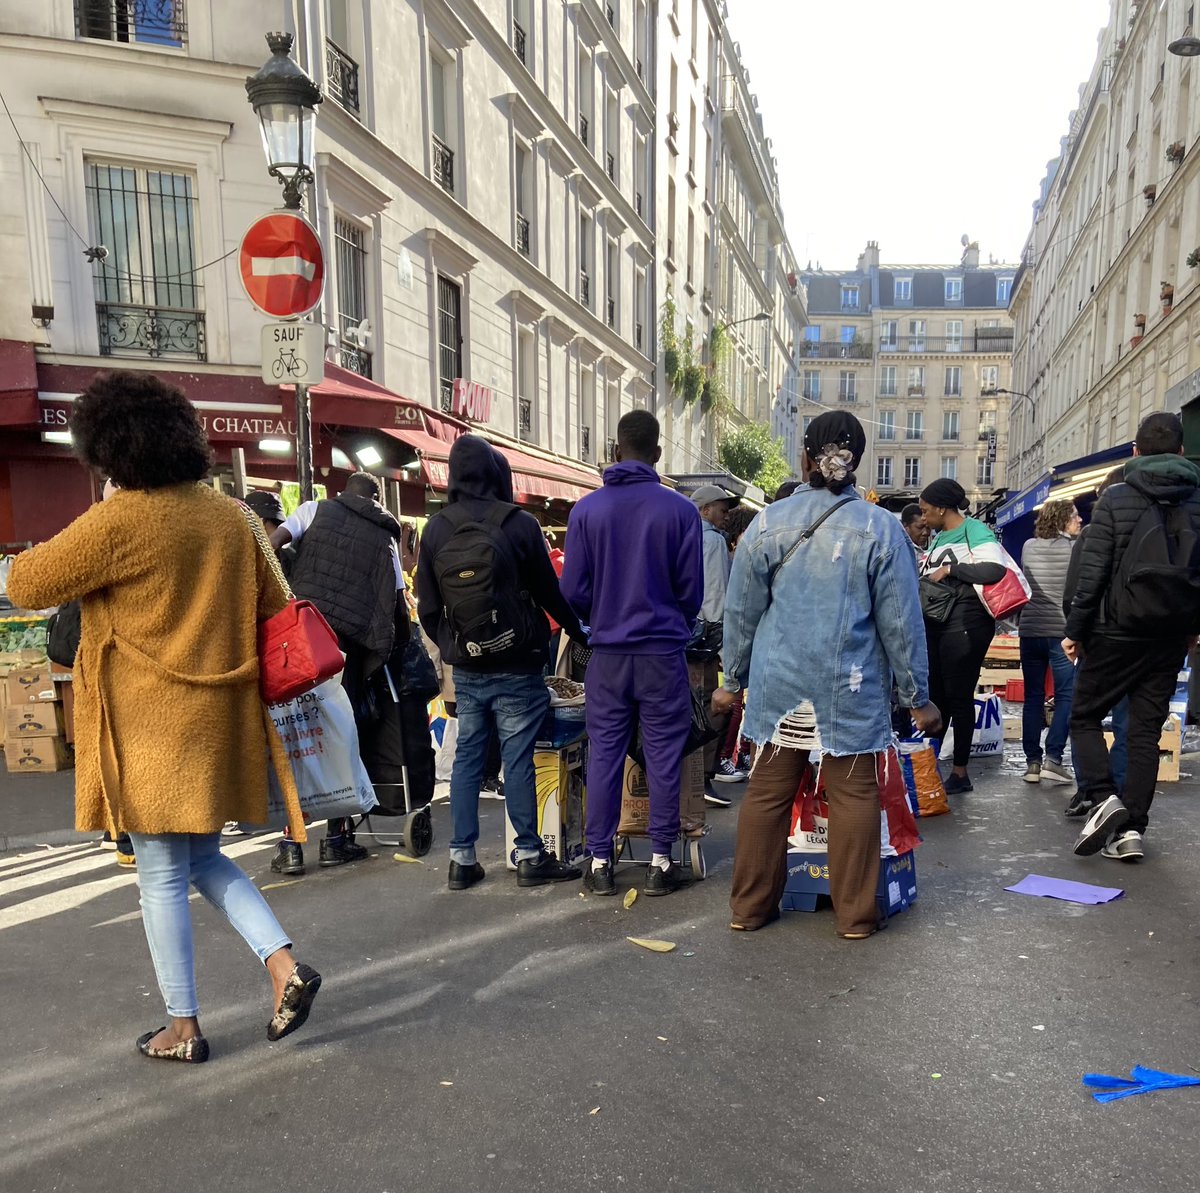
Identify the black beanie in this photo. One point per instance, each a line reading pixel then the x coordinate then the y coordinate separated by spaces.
pixel 945 494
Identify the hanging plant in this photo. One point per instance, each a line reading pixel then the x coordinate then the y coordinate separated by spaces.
pixel 1175 152
pixel 693 382
pixel 713 398
pixel 671 363
pixel 1193 258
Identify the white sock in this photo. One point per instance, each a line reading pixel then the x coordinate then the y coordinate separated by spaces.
pixel 598 863
pixel 661 860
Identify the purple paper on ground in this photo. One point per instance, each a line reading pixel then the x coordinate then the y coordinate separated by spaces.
pixel 1061 888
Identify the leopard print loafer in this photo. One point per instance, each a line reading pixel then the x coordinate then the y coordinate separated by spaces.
pixel 296 1002
pixel 191 1052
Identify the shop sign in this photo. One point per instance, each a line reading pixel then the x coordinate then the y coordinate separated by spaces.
pixel 1179 395
pixel 471 400
pixel 221 426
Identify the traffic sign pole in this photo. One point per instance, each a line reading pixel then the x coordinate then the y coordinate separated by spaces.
pixel 304 453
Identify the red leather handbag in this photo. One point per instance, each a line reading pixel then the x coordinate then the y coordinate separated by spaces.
pixel 296 651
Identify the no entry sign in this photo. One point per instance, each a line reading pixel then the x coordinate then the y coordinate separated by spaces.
pixel 281 264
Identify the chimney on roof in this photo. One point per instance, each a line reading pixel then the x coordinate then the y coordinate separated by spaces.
pixel 970 257
pixel 869 258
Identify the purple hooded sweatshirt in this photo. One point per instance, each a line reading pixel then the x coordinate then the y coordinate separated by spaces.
pixel 634 567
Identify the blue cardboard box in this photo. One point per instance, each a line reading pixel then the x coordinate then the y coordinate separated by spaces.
pixel 562 727
pixel 808 883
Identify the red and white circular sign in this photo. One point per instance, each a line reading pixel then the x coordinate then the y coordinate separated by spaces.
pixel 282 265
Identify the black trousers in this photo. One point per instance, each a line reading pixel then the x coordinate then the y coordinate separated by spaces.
pixel 1111 670
pixel 956 653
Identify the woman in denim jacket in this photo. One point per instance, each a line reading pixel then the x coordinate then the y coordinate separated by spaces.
pixel 818 620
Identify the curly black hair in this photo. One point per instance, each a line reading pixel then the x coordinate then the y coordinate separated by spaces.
pixel 737 523
pixel 140 431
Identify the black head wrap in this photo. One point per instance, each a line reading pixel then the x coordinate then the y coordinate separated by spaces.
pixel 835 442
pixel 945 494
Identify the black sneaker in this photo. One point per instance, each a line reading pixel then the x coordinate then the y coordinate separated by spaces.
pixel 599 882
pixel 538 871
pixel 958 785
pixel 663 882
pixel 337 851
pixel 714 797
pixel 288 859
pixel 462 876
pixel 1080 805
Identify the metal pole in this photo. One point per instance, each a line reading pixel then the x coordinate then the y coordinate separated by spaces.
pixel 238 456
pixel 304 456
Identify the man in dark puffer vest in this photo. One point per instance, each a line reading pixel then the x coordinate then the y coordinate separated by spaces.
pixel 1118 661
pixel 348 565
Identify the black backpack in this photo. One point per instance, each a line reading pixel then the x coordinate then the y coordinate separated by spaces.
pixel 63 633
pixel 488 614
pixel 1157 582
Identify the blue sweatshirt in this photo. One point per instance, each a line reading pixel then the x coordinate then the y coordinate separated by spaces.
pixel 634 567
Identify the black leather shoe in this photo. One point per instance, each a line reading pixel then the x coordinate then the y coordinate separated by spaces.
pixel 1080 805
pixel 462 876
pixel 337 851
pixel 297 1000
pixel 288 859
pixel 545 868
pixel 663 882
pixel 599 882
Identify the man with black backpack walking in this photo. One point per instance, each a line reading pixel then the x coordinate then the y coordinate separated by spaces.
pixel 484 586
pixel 1136 606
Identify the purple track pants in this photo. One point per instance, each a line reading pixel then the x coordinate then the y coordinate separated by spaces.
pixel 623 689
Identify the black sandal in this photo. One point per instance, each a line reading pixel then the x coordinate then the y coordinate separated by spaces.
pixel 297 1000
pixel 191 1052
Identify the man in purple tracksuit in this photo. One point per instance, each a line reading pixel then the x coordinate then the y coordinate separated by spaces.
pixel 634 572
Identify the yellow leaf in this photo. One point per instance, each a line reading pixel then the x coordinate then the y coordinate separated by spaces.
pixel 596 1111
pixel 403 857
pixel 630 897
pixel 446 1083
pixel 274 886
pixel 655 946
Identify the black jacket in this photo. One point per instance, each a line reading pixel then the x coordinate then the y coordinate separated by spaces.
pixel 479 477
pixel 1171 480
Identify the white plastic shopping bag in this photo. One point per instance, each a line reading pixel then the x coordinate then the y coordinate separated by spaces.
pixel 321 743
pixel 988 741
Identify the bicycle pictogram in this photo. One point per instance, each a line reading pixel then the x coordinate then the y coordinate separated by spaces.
pixel 287 364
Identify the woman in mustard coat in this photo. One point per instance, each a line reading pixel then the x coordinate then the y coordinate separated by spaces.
pixel 172 739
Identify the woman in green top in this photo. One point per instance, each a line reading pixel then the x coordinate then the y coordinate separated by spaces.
pixel 964 553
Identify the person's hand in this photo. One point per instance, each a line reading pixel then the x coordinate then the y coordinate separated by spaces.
pixel 1071 649
pixel 927 719
pixel 938 576
pixel 723 702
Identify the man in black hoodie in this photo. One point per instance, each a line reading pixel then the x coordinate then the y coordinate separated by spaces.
pixel 484 585
pixel 1131 647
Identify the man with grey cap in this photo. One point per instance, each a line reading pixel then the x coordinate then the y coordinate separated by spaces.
pixel 714 504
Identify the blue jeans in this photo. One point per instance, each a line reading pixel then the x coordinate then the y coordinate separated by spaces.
pixel 166 864
pixel 516 705
pixel 1036 655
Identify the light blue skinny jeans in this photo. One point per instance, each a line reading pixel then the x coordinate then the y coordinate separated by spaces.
pixel 167 863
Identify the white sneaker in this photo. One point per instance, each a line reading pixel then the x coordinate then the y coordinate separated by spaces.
pixel 1125 846
pixel 1106 820
pixel 1055 772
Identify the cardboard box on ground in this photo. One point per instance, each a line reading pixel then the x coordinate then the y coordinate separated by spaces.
pixel 635 798
pixel 560 779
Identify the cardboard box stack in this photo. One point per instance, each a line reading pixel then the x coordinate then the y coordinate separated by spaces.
pixel 34 724
pixel 560 777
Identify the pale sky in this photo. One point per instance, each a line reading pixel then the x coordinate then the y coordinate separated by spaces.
pixel 914 123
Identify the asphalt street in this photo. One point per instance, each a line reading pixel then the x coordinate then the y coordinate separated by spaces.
pixel 501 1039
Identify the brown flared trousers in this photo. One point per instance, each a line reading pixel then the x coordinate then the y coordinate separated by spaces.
pixel 760 859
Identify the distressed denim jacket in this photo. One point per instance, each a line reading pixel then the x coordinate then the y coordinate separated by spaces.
pixel 831 623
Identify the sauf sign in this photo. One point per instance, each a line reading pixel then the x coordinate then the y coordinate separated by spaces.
pixel 471 400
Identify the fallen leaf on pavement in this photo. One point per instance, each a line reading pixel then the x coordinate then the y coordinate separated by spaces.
pixel 403 857
pixel 596 1111
pixel 446 1083
pixel 655 946
pixel 631 898
pixel 274 886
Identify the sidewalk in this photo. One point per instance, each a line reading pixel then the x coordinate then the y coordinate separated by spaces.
pixel 38 810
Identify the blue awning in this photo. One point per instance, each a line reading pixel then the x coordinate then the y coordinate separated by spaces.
pixel 1068 480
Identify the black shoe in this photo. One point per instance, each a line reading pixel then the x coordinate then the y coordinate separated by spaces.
pixel 1080 805
pixel 663 882
pixel 956 785
pixel 337 851
pixel 599 882
pixel 545 868
pixel 1106 819
pixel 462 876
pixel 288 859
pixel 714 797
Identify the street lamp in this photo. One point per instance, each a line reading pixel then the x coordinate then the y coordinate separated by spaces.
pixel 285 99
pixel 1185 47
pixel 1012 393
pixel 761 317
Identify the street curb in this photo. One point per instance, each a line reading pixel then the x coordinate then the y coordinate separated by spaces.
pixel 60 836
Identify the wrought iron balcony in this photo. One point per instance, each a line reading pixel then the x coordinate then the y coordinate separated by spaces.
pixel 127 329
pixel 355 359
pixel 585 288
pixel 913 436
pixel 341 74
pixel 836 350
pixel 446 388
pixel 612 167
pixel 637 336
pixel 610 450
pixel 150 22
pixel 985 339
pixel 585 442
pixel 583 129
pixel 637 204
pixel 443 164
pixel 523 234
pixel 525 418
pixel 520 43
pixel 811 394
pixel 848 395
pixel 612 312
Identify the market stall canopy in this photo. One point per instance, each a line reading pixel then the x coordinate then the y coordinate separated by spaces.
pixel 537 479
pixel 18 385
pixel 1064 482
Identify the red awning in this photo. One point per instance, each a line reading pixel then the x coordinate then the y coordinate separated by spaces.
pixel 433 454
pixel 18 385
pixel 535 479
pixel 348 400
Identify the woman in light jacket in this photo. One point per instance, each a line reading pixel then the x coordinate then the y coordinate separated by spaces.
pixel 963 553
pixel 172 739
pixel 1045 560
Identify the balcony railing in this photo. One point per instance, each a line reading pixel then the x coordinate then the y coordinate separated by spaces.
pixel 525 418
pixel 612 312
pixel 585 442
pixel 811 395
pixel 583 129
pixel 150 22
pixel 341 74
pixel 985 340
pixel 355 359
pixel 610 450
pixel 611 14
pixel 637 204
pixel 523 235
pixel 911 436
pixel 127 329
pixel 519 43
pixel 848 395
pixel 585 288
pixel 916 391
pixel 443 164
pixel 446 387
pixel 836 350
pixel 887 391
pixel 637 336
pixel 611 164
